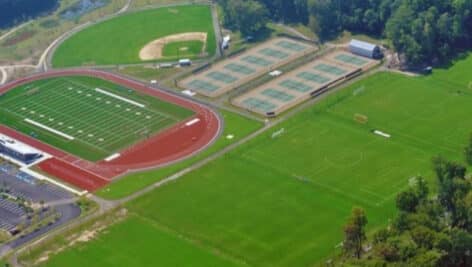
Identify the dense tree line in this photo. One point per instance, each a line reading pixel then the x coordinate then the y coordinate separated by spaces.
pixel 429 230
pixel 422 30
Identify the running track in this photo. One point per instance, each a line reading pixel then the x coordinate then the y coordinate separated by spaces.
pixel 172 145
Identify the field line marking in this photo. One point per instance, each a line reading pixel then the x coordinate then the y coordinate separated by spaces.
pixel 129 101
pixel 113 157
pixel 54 131
pixel 155 112
pixel 13 99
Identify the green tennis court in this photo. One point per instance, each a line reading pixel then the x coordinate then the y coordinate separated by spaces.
pixel 254 60
pixel 330 69
pixel 295 86
pixel 273 53
pixel 291 46
pixel 222 77
pixel 262 105
pixel 351 59
pixel 313 77
pixel 277 94
pixel 239 68
pixel 202 85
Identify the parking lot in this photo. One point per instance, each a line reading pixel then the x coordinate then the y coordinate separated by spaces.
pixel 19 192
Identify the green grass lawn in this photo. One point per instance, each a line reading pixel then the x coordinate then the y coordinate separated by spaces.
pixel 283 201
pixel 119 40
pixel 139 242
pixel 182 49
pixel 234 124
pixel 92 124
pixel 148 73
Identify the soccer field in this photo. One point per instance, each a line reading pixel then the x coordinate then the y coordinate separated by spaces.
pixel 87 117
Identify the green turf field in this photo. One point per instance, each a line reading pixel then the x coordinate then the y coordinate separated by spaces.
pixel 282 200
pixel 119 40
pixel 88 117
pixel 182 49
pixel 137 236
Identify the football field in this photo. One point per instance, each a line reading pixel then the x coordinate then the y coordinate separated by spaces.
pixel 86 112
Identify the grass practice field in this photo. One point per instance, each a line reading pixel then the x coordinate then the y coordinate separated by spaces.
pixel 150 242
pixel 281 199
pixel 87 117
pixel 119 40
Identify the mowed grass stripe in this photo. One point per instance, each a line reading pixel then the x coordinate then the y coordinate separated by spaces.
pixel 152 111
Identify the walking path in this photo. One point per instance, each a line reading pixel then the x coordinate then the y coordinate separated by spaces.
pixel 14 30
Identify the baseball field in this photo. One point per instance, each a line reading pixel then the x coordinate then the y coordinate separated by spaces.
pixel 87 117
pixel 120 40
pixel 281 199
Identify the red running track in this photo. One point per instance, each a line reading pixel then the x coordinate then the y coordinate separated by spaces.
pixel 169 146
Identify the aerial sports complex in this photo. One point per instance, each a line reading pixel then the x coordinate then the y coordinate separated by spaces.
pixel 96 126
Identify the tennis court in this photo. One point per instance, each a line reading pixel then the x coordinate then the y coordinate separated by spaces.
pixel 238 70
pixel 305 82
pixel 347 59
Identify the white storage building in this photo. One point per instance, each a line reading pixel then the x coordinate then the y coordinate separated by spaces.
pixel 365 49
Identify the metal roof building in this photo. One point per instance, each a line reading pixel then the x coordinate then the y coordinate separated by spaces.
pixel 18 150
pixel 365 49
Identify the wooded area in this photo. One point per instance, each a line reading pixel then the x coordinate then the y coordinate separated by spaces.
pixel 425 31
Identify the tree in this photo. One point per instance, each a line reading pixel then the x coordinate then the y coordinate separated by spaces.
pixel 354 233
pixel 421 189
pixel 468 151
pixel 407 201
pixel 247 16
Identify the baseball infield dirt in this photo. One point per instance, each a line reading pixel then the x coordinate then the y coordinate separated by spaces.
pixel 153 50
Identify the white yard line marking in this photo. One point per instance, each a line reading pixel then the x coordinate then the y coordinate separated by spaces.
pixel 129 101
pixel 112 157
pixel 37 124
pixel 192 122
pixel 386 135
